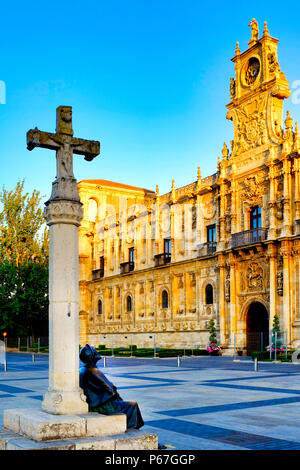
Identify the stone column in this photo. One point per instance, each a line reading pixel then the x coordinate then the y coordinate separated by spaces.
pixel 297 187
pixel 221 242
pixel 287 193
pixel 272 205
pixel 233 207
pixel 222 312
pixel 296 322
pixel 64 395
pixel 233 300
pixel 273 283
pixel 286 323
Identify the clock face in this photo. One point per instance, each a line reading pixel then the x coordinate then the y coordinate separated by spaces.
pixel 252 71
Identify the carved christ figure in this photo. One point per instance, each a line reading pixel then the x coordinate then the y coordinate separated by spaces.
pixel 63 143
pixel 254 25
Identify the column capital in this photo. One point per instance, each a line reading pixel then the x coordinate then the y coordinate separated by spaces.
pixel 63 211
pixel 272 251
pixel 286 249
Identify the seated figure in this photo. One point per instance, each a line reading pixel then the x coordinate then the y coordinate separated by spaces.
pixel 102 396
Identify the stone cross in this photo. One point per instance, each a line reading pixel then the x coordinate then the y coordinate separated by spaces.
pixel 65 185
pixel 63 213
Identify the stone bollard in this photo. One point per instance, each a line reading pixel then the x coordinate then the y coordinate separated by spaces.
pixel 104 361
pixel 255 364
pixel 178 361
pixel 33 357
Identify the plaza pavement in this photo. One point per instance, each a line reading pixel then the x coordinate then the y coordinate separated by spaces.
pixel 208 403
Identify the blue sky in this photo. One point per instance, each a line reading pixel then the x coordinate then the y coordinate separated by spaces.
pixel 149 79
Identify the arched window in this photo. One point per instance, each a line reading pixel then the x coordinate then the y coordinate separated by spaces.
pixel 99 307
pixel 129 304
pixel 92 210
pixel 209 294
pixel 164 299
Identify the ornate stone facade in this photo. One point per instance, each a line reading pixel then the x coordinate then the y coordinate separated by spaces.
pixel 211 249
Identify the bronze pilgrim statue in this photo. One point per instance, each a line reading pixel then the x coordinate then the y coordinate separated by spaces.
pixel 102 395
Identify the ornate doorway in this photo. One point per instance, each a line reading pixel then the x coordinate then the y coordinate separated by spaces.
pixel 257 327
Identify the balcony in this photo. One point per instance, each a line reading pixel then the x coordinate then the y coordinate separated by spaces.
pixel 126 267
pixel 97 274
pixel 249 237
pixel 207 249
pixel 162 259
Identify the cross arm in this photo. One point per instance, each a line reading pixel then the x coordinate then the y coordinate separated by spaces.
pixel 89 148
pixel 46 140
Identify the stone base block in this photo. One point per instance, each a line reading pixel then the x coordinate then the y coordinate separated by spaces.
pixel 131 440
pixel 40 426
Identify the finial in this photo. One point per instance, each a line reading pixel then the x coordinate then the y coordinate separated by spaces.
pixel 225 151
pixel 199 174
pixel 173 193
pixel 237 49
pixel 157 191
pixel 296 129
pixel 289 121
pixel 266 31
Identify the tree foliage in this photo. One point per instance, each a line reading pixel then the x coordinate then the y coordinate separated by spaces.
pixel 276 323
pixel 21 221
pixel 212 332
pixel 23 263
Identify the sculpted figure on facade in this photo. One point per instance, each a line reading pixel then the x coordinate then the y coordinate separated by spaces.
pixel 254 277
pixel 254 30
pixel 232 88
pixel 280 282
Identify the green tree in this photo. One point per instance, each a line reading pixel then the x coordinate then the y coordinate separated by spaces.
pixel 24 251
pixel 21 221
pixel 212 332
pixel 276 323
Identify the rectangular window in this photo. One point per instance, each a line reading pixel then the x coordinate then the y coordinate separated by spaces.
pixel 255 218
pixel 211 234
pixel 211 239
pixel 131 259
pixel 167 246
pixel 131 255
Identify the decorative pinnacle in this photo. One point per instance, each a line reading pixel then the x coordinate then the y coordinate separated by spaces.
pixel 296 129
pixel 225 151
pixel 289 121
pixel 266 31
pixel 157 191
pixel 173 192
pixel 237 50
pixel 199 174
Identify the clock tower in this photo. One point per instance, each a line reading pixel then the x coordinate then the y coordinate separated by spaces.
pixel 257 93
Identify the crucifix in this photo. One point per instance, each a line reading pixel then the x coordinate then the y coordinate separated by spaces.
pixel 63 214
pixel 65 145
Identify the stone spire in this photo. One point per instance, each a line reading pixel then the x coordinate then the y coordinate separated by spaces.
pixel 225 151
pixel 173 192
pixel 237 49
pixel 266 31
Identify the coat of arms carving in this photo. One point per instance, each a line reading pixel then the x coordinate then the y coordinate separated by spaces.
pixel 255 277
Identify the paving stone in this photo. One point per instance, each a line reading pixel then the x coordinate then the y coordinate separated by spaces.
pixel 264 405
